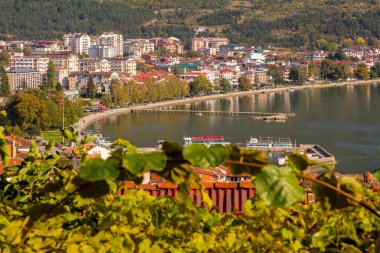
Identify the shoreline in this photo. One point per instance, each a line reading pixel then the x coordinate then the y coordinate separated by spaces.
pixel 89 119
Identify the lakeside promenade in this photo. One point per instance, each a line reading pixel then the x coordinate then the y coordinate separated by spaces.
pixel 87 120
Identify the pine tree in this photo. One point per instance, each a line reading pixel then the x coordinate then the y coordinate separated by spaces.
pixel 91 88
pixel 4 83
pixel 50 81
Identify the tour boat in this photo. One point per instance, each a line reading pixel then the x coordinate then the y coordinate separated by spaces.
pixel 206 140
pixel 269 142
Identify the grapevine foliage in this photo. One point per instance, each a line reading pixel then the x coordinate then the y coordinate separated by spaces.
pixel 46 205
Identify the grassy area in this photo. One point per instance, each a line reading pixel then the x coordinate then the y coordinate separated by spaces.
pixel 52 135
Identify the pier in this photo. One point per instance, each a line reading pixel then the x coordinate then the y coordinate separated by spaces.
pixel 254 115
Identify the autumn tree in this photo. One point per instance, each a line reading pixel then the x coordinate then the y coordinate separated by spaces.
pixel 200 85
pixel 360 41
pixel 91 88
pixel 313 70
pixel 345 71
pixel 298 74
pixel 244 83
pixel 277 75
pixel 24 109
pixel 361 72
pixel 4 83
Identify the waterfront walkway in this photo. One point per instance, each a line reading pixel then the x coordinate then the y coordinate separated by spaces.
pixel 87 120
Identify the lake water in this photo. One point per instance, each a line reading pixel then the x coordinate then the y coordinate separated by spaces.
pixel 343 120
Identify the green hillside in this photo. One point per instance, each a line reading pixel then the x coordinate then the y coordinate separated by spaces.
pixel 290 23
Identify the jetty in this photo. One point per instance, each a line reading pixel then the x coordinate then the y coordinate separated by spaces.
pixel 254 115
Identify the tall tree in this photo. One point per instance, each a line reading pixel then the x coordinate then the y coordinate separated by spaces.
pixel 200 85
pixel 50 78
pixel 24 109
pixel 244 83
pixel 91 88
pixel 225 84
pixel 4 83
pixel 313 70
pixel 361 72
pixel 298 74
pixel 375 70
pixel 276 74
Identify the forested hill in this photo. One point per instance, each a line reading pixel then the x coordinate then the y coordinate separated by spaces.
pixel 291 23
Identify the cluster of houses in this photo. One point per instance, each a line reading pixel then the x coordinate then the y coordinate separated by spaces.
pixel 108 56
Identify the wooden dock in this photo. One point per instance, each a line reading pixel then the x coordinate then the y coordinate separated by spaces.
pixel 254 115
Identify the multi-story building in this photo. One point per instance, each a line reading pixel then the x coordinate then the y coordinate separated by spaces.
pixel 257 76
pixel 138 47
pixel 111 39
pixel 77 42
pixel 171 45
pixel 63 60
pixel 20 79
pixel 94 65
pixel 205 43
pixel 122 65
pixel 19 61
pixel 78 80
pixel 99 51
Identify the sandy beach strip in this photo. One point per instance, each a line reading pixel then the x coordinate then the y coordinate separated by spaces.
pixel 87 120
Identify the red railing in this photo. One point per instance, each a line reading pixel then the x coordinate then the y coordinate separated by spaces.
pixel 227 197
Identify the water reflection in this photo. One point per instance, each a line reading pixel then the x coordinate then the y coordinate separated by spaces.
pixel 344 120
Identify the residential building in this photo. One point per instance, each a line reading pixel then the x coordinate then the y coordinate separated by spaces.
pixel 122 65
pixel 257 77
pixel 99 51
pixel 207 42
pixel 254 55
pixel 94 65
pixel 20 79
pixel 77 42
pixel 19 61
pixel 111 39
pixel 171 45
pixel 78 80
pixel 138 47
pixel 63 60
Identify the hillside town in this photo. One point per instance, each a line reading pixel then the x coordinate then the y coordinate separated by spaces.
pixel 109 56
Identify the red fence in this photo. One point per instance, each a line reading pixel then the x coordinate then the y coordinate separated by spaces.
pixel 227 197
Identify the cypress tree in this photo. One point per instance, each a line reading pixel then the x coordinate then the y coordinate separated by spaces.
pixel 4 83
pixel 91 88
pixel 50 81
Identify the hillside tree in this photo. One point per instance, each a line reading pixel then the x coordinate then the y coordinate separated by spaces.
pixel 91 88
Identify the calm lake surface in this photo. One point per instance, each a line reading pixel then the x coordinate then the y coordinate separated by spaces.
pixel 343 120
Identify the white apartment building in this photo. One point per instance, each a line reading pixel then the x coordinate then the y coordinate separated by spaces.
pixel 64 60
pixel 94 65
pixel 77 42
pixel 205 43
pixel 111 39
pixel 19 61
pixel 123 65
pixel 20 79
pixel 99 51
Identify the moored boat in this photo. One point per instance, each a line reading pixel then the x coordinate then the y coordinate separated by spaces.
pixel 206 140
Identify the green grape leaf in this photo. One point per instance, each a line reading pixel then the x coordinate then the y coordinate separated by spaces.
pixel 219 152
pixel 4 149
pixel 278 186
pixel 377 175
pixel 199 154
pixel 172 150
pixel 95 189
pixel 97 170
pixel 331 199
pixel 299 161
pixel 134 163
pixel 155 161
pixel 256 160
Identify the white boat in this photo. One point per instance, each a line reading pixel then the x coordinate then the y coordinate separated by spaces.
pixel 269 142
pixel 199 113
pixel 206 140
